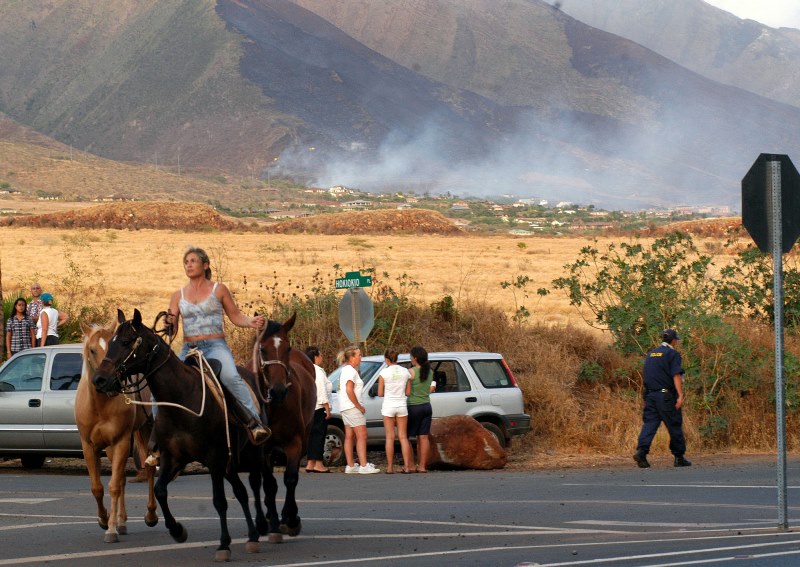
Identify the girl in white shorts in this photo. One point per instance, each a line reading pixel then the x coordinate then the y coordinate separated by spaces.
pixel 355 424
pixel 394 385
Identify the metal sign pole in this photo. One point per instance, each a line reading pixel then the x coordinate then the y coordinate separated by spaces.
pixel 356 315
pixel 774 181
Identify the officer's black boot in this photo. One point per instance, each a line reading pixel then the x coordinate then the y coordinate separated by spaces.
pixel 641 459
pixel 682 461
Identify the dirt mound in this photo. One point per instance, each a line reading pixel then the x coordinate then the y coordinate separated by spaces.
pixel 414 221
pixel 134 215
pixel 711 228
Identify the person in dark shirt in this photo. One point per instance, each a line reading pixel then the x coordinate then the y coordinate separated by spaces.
pixel 663 400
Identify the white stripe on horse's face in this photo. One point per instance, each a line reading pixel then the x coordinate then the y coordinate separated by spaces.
pixel 103 344
pixel 277 342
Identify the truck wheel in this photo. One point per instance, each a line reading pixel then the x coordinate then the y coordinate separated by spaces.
pixel 496 431
pixel 333 452
pixel 32 461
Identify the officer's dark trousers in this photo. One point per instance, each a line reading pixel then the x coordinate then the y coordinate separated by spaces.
pixel 658 407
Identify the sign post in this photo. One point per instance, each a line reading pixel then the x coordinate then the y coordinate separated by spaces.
pixel 356 311
pixel 770 200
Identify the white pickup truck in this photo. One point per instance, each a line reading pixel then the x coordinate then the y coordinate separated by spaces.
pixel 37 400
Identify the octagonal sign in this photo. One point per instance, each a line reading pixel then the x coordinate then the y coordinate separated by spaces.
pixel 758 212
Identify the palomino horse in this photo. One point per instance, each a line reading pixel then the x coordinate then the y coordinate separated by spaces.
pixel 108 422
pixel 192 424
pixel 288 382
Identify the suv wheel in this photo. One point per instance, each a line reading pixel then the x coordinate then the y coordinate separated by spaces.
pixel 32 461
pixel 333 452
pixel 496 431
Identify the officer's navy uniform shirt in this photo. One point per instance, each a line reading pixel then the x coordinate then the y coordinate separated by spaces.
pixel 660 367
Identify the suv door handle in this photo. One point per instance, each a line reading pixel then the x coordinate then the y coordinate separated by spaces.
pixel 471 399
pixel 34 403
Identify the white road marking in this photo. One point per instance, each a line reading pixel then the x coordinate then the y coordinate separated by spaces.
pixel 417 554
pixel 26 500
pixel 701 486
pixel 684 525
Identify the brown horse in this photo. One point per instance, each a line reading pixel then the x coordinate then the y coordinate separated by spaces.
pixel 108 423
pixel 288 383
pixel 191 425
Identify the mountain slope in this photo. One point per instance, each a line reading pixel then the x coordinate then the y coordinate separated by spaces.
pixel 467 96
pixel 149 81
pixel 705 39
pixel 606 118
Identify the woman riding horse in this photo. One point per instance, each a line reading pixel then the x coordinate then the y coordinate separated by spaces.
pixel 201 304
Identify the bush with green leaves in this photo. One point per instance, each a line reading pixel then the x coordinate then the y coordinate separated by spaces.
pixel 636 290
pixel 745 287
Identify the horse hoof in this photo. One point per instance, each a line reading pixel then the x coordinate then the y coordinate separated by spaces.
pixel 252 547
pixel 150 522
pixel 275 538
pixel 110 537
pixel 291 531
pixel 179 534
pixel 222 555
pixel 122 530
pixel 103 524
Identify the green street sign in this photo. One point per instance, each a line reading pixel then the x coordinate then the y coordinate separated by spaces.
pixel 353 279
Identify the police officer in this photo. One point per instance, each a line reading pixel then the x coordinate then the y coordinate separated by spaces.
pixel 663 398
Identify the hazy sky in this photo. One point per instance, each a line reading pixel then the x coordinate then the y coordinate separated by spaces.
pixel 774 13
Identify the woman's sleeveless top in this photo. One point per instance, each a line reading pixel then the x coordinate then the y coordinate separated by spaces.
pixel 204 318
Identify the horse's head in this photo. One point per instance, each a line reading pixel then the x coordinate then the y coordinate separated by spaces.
pixel 95 344
pixel 130 351
pixel 272 357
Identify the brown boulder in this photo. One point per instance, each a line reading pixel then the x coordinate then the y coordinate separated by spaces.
pixel 461 442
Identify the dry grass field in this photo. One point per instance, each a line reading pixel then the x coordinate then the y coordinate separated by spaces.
pixel 142 268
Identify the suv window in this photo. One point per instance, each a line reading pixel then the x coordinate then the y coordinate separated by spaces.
pixel 23 374
pixel 66 372
pixel 366 370
pixel 449 377
pixel 492 373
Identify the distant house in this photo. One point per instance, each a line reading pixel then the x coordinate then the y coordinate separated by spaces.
pixel 289 215
pixel 460 206
pixel 358 204
pixel 340 190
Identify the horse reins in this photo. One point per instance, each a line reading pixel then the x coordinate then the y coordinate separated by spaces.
pixel 143 377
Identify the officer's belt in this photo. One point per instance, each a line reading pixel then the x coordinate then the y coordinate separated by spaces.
pixel 662 390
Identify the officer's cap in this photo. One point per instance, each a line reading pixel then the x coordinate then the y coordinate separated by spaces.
pixel 670 335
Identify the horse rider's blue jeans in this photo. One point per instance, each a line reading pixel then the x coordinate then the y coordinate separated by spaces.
pixel 229 375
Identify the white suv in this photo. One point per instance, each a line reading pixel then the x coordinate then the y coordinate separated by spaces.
pixel 478 384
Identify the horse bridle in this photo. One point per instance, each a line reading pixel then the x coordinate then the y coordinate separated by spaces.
pixel 129 386
pixel 271 362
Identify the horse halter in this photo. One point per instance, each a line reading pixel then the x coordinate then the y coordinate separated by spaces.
pixel 123 374
pixel 262 364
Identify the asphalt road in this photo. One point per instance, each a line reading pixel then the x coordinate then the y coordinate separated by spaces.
pixel 703 515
